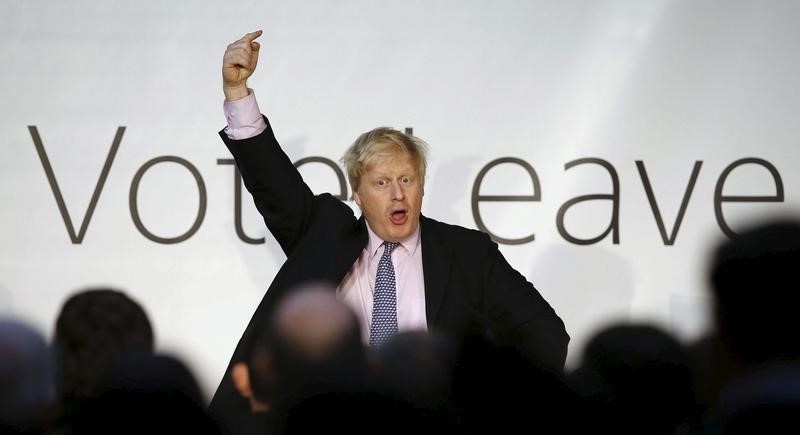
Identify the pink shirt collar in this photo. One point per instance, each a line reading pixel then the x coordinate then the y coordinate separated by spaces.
pixel 410 244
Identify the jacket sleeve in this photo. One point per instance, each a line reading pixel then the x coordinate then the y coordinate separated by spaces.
pixel 519 316
pixel 281 196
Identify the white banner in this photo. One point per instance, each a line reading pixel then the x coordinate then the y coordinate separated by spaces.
pixel 607 145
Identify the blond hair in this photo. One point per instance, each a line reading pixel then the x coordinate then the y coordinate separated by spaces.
pixel 379 145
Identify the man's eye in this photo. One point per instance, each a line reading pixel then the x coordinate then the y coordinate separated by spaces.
pixel 381 183
pixel 405 180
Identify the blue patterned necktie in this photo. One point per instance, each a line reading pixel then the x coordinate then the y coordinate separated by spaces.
pixel 384 300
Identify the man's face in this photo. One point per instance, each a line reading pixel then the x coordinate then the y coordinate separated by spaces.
pixel 390 197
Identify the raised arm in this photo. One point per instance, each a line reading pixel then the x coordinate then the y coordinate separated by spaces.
pixel 279 192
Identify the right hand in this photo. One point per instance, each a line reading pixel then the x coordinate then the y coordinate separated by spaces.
pixel 239 62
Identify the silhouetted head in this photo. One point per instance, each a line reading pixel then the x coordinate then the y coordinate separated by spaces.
pixel 757 291
pixel 313 324
pixel 316 342
pixel 144 393
pixel 499 390
pixel 254 376
pixel 25 378
pixel 638 378
pixel 311 346
pixel 417 367
pixel 94 328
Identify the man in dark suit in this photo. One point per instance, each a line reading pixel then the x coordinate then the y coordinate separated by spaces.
pixel 397 269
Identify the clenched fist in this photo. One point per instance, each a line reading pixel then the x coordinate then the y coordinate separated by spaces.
pixel 239 62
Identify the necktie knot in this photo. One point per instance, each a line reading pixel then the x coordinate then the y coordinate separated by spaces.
pixel 389 247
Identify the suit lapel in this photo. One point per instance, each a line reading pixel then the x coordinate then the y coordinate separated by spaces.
pixel 341 263
pixel 436 269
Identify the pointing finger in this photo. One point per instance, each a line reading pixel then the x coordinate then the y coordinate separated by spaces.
pixel 251 36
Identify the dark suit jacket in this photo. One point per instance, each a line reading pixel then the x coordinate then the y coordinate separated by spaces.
pixel 470 289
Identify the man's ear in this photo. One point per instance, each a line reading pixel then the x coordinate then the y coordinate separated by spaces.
pixel 357 198
pixel 241 379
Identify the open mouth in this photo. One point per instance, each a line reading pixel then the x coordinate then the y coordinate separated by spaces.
pixel 399 217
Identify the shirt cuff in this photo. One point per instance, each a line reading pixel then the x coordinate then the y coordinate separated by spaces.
pixel 244 117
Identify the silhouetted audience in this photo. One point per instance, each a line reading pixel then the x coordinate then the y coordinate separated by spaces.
pixel 316 345
pixel 416 367
pixel 254 380
pixel 755 287
pixel 95 327
pixel 636 379
pixel 498 390
pixel 108 380
pixel 144 393
pixel 757 292
pixel 713 367
pixel 26 379
pixel 309 352
pixel 307 371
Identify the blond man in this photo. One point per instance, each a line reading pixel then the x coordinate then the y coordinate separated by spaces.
pixel 395 268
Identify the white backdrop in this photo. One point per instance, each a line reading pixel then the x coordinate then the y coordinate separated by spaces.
pixel 666 83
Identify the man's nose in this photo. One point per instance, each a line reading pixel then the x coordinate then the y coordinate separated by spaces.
pixel 397 191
